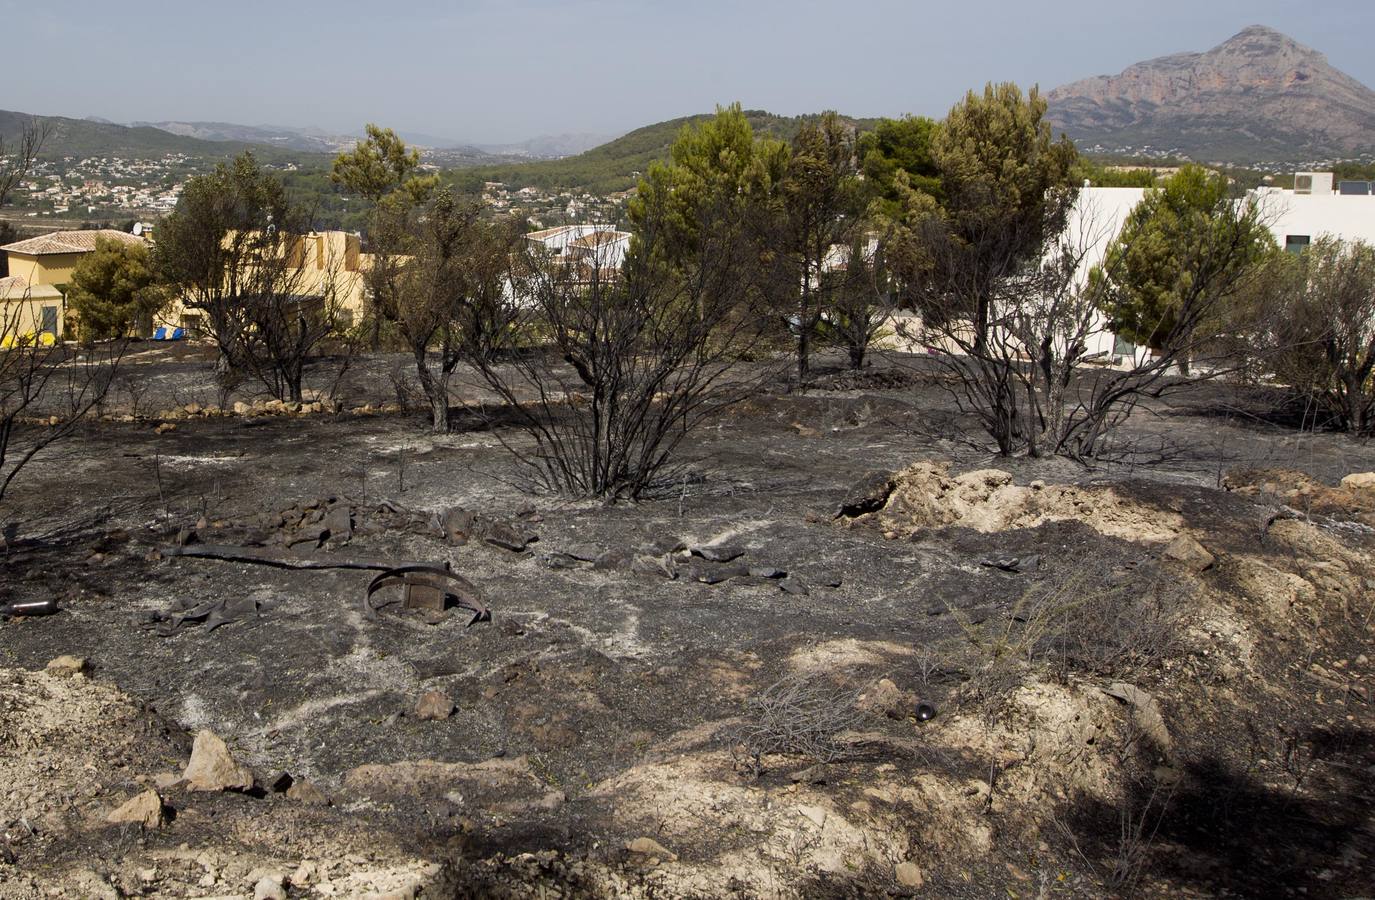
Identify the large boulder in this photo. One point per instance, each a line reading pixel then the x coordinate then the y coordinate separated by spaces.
pixel 145 809
pixel 1359 481
pixel 213 768
pixel 1189 553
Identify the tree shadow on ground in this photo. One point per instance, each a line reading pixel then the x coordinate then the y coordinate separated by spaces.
pixel 1228 832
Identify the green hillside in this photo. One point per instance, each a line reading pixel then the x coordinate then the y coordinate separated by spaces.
pixel 85 138
pixel 613 166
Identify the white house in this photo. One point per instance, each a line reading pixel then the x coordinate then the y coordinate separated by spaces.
pixel 591 245
pixel 1317 207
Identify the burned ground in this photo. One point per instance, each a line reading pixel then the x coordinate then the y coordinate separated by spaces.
pixel 595 745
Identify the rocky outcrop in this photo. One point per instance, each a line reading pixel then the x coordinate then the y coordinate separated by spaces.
pixel 1259 96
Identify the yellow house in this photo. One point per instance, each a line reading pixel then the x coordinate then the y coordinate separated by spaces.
pixel 32 303
pixel 322 264
pixel 29 312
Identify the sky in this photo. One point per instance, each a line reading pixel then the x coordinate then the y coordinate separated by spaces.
pixel 494 71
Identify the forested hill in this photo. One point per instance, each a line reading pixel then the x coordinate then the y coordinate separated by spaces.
pixel 87 138
pixel 614 166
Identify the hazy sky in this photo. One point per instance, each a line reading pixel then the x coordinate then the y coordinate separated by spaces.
pixel 492 71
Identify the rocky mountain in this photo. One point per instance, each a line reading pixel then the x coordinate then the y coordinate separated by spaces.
pixel 1257 97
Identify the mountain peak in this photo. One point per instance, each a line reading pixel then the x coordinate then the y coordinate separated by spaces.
pixel 1266 43
pixel 1259 32
pixel 1258 96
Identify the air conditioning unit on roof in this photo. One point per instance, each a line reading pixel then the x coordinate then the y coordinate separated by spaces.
pixel 1313 183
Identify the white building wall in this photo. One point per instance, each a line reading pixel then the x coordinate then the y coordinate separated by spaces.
pixel 1346 216
pixel 1101 213
pixel 1097 218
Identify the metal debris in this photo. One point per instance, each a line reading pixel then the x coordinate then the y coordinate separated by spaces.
pixel 29 608
pixel 212 614
pixel 266 557
pixel 429 587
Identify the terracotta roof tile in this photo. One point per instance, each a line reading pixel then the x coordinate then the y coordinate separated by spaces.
pixel 68 242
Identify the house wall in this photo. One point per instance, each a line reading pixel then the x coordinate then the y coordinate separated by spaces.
pixel 318 258
pixel 1097 219
pixel 23 317
pixel 50 268
pixel 1350 217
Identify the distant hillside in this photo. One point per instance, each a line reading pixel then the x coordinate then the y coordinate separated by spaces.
pixel 306 139
pixel 614 165
pixel 86 137
pixel 1258 97
pixel 550 146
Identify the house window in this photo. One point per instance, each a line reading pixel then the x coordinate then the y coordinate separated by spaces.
pixel 1122 347
pixel 1296 243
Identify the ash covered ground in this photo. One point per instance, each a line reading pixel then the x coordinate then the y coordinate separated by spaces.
pixel 1151 676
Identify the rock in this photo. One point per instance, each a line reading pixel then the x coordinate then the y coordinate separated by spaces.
pixel 457 525
pixel 144 809
pixel 767 572
pixel 795 586
pixel 867 495
pixel 165 427
pixel 611 559
pixel 339 523
pixel 164 781
pixel 583 552
pixel 1019 565
pixel 655 565
pixel 308 537
pixel 558 560
pixel 719 554
pixel 1359 481
pixel 645 846
pixel 269 887
pixel 909 874
pixel 67 666
pixel 499 534
pixel 241 408
pixel 884 698
pixel 1145 713
pixel 212 768
pixel 829 579
pixel 303 791
pixel 712 573
pixel 1190 553
pixel 817 774
pixel 433 706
